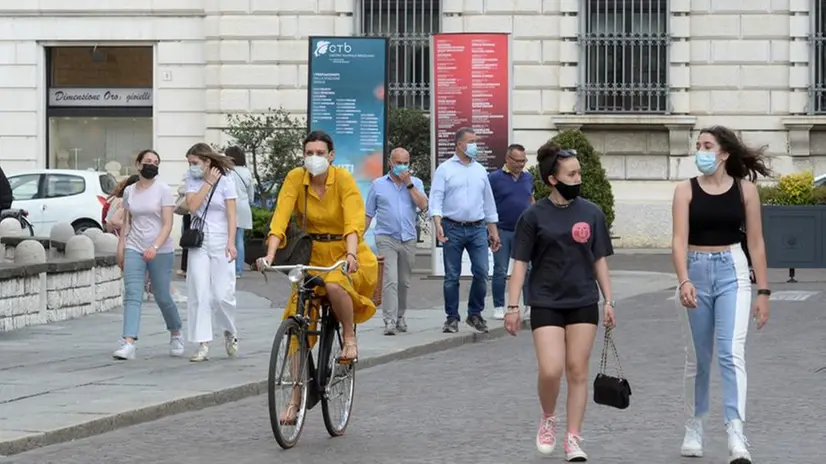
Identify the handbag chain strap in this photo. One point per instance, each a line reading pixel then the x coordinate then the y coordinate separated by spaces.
pixel 607 344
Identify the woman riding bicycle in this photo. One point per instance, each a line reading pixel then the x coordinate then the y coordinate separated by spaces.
pixel 335 222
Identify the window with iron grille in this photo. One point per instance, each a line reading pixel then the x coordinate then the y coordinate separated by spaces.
pixel 624 49
pixel 408 24
pixel 819 56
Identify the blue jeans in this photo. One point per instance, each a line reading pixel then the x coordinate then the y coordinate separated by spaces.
pixel 160 276
pixel 239 247
pixel 501 261
pixel 722 316
pixel 474 239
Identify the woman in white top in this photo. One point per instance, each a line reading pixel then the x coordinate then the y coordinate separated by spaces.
pixel 242 177
pixel 145 246
pixel 210 279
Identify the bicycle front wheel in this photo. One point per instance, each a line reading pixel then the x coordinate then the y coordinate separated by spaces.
pixel 287 383
pixel 338 381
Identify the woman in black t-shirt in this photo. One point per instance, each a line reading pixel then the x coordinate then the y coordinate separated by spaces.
pixel 566 240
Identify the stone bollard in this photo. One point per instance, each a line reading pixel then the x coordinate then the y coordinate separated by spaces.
pixel 29 252
pixel 61 232
pixel 10 227
pixel 80 247
pixel 92 232
pixel 106 244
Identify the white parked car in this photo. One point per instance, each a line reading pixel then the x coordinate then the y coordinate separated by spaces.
pixel 61 195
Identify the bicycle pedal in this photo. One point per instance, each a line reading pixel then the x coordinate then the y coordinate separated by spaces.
pixel 347 361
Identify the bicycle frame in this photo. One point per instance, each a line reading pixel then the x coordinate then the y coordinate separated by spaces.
pixel 306 284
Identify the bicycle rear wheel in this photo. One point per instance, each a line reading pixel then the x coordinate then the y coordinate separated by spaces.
pixel 287 383
pixel 337 380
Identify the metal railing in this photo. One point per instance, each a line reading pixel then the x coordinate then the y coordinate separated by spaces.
pixel 818 60
pixel 408 24
pixel 624 47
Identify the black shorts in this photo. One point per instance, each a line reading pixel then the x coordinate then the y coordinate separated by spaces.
pixel 543 317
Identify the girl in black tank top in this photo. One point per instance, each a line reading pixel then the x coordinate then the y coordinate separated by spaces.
pixel 714 290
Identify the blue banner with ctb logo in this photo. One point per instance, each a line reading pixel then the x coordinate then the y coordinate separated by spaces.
pixel 347 83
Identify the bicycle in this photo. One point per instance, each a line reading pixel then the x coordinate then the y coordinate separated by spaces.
pixel 313 384
pixel 21 215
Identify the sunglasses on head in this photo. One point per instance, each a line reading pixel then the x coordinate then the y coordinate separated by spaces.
pixel 564 154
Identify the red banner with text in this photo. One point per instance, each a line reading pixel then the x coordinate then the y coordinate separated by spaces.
pixel 471 85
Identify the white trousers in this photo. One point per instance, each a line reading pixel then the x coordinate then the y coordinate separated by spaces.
pixel 210 285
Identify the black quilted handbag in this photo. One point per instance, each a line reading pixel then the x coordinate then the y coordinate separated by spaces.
pixel 194 236
pixel 299 246
pixel 608 390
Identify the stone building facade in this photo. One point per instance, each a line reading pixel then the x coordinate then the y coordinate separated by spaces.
pixel 640 78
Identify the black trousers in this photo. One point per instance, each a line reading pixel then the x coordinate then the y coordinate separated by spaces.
pixel 185 254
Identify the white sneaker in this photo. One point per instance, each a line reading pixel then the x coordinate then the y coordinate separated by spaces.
pixel 202 354
pixel 176 346
pixel 125 352
pixel 499 313
pixel 693 441
pixel 231 344
pixel 738 452
pixel 573 453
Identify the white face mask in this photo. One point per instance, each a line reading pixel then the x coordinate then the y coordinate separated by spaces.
pixel 316 165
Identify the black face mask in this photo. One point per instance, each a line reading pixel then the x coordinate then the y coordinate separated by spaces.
pixel 568 191
pixel 149 171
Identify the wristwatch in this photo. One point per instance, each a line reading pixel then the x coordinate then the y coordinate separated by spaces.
pixel 764 291
pixel 410 186
pixel 611 303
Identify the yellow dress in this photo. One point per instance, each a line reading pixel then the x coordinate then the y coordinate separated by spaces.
pixel 339 212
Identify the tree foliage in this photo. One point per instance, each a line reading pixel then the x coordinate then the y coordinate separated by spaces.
pixel 272 142
pixel 595 184
pixel 409 128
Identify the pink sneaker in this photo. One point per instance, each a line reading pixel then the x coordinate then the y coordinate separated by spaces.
pixel 573 453
pixel 546 435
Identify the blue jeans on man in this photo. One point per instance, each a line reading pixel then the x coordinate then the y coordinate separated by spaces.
pixel 472 238
pixel 501 262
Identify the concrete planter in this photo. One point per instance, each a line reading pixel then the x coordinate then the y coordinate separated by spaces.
pixel 795 237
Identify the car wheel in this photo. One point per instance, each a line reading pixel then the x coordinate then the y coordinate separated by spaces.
pixel 84 224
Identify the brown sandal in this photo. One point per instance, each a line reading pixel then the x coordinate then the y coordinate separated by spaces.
pixel 287 418
pixel 352 344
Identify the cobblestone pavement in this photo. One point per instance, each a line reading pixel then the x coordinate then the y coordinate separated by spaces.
pixel 477 404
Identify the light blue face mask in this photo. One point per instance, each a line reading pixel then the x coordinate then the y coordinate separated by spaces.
pixel 399 169
pixel 196 171
pixel 471 150
pixel 706 161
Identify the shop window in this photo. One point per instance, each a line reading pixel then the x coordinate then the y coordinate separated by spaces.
pixel 101 67
pixel 98 143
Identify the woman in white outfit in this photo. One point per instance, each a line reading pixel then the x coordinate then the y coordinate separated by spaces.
pixel 210 279
pixel 242 177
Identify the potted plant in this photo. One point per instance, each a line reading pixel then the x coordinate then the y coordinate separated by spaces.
pixel 595 184
pixel 794 222
pixel 255 240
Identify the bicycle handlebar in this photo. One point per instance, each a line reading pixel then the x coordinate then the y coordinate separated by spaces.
pixel 339 264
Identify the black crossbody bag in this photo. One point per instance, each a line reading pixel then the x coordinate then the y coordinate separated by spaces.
pixel 194 236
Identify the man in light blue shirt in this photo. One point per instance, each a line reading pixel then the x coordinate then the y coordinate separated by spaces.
pixel 393 201
pixel 464 216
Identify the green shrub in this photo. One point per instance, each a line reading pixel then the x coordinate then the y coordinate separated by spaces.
pixel 409 128
pixel 793 189
pixel 595 184
pixel 260 222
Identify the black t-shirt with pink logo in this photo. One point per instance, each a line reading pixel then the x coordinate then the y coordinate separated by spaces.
pixel 562 245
